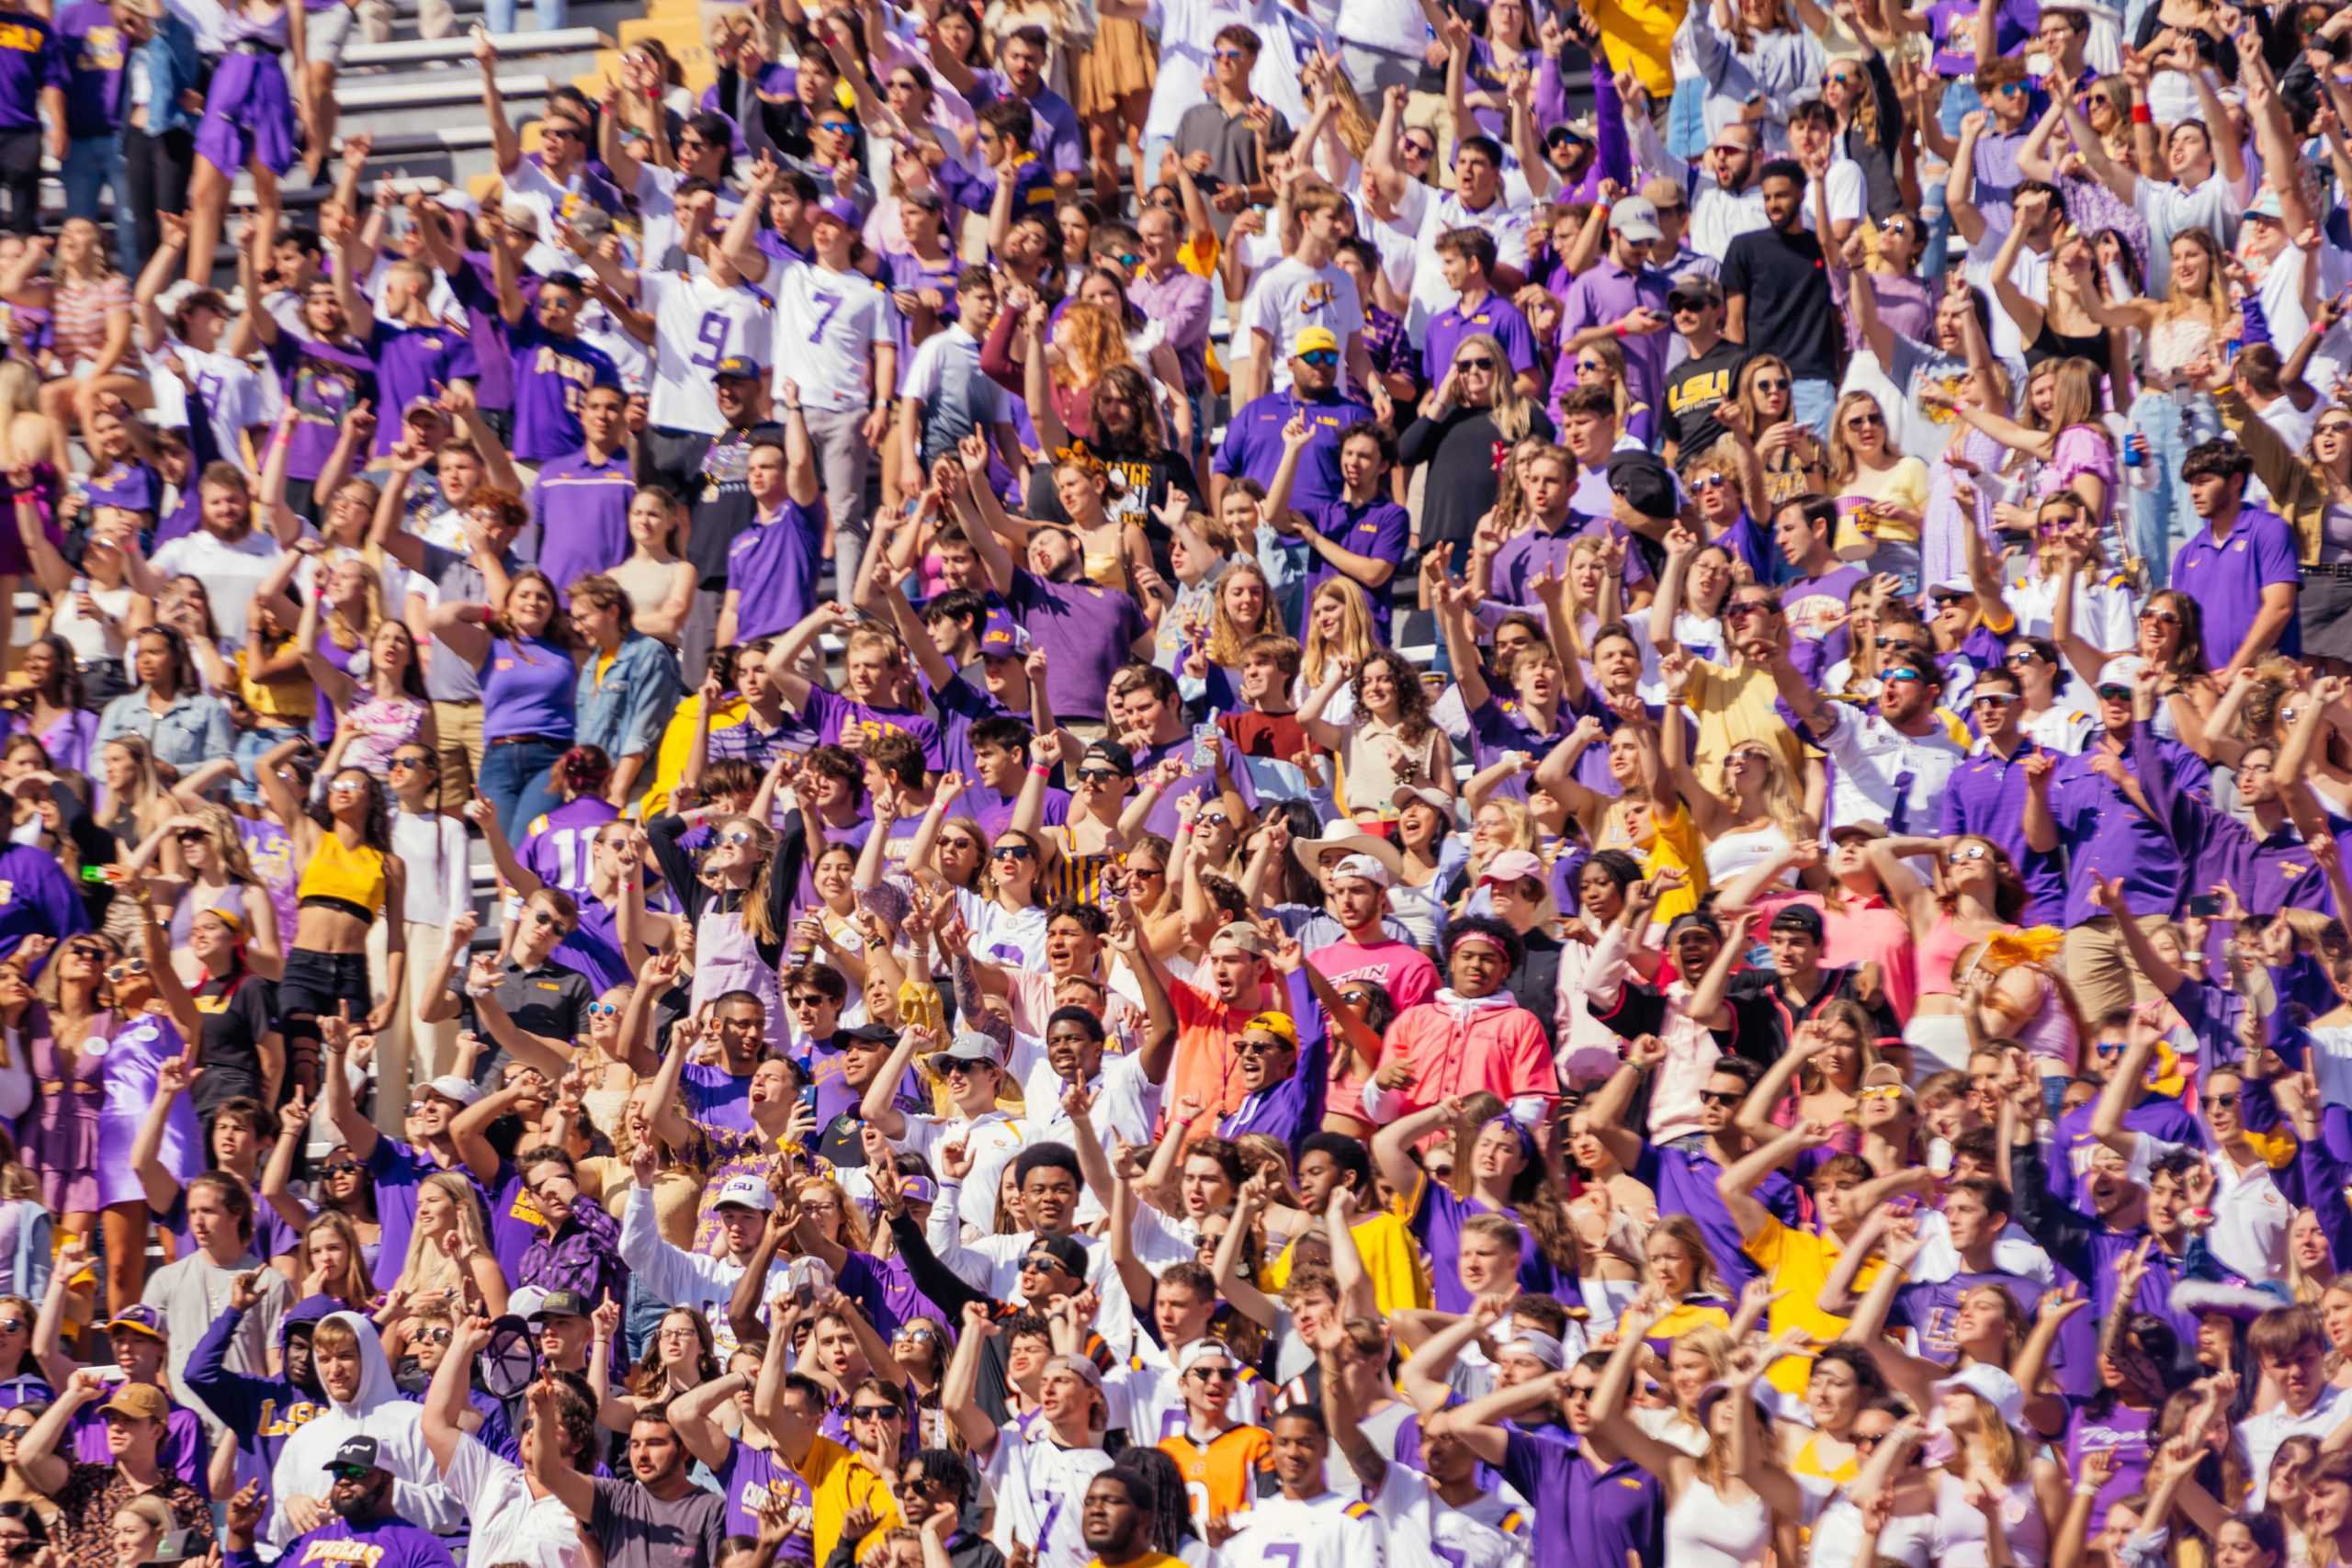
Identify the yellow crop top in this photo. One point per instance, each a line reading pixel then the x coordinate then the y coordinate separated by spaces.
pixel 351 879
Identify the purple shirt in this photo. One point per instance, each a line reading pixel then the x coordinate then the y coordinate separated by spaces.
pixel 1815 608
pixel 1088 633
pixel 1253 444
pixel 1376 530
pixel 582 508
pixel 1494 315
pixel 1526 555
pixel 1685 1184
pixel 716 1098
pixel 323 382
pixel 557 848
pixel 35 898
pixel 1604 293
pixel 1182 304
pixel 752 1477
pixel 1055 134
pixel 1163 819
pixel 32 58
pixel 2105 835
pixel 1954 23
pixel 2227 579
pixel 552 374
pixel 833 715
pixel 528 688
pixel 411 362
pixel 386 1543
pixel 95 57
pixel 2269 874
pixel 772 567
pixel 1595 1517
pixel 1985 796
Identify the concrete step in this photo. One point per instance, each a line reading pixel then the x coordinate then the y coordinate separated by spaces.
pixel 460 49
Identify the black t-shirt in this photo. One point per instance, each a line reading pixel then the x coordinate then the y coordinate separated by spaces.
pixel 1764 1019
pixel 1692 390
pixel 238 1012
pixel 721 500
pixel 1790 311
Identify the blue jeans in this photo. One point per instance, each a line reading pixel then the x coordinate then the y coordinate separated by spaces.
pixel 94 164
pixel 516 779
pixel 545 15
pixel 2162 515
pixel 247 750
pixel 1810 402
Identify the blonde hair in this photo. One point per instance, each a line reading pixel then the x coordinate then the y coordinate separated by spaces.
pixel 1226 636
pixel 1781 802
pixel 227 843
pixel 1844 462
pixel 1995 1443
pixel 351 1286
pixel 1512 414
pixel 1354 640
pixel 426 1265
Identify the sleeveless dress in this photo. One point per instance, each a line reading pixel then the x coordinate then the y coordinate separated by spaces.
pixel 60 1134
pixel 249 112
pixel 130 1057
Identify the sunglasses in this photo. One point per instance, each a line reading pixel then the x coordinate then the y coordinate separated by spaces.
pixel 1098 775
pixel 1417 148
pixel 560 133
pixel 1745 608
pixel 542 917
pixel 12 1325
pixel 1233 54
pixel 2168 617
pixel 603 1010
pixel 838 127
pixel 434 1336
pixel 878 1412
pixel 1710 481
pixel 1881 1092
pixel 1011 851
pixel 1865 420
pixel 808 1001
pixel 1904 673
pixel 349 1471
pixel 348 1167
pixel 191 835
pixel 1770 384
pixel 1213 1374
pixel 2108 1047
pixel 740 836
pixel 1999 699
pixel 1717 1097
pixel 1041 1263
pixel 2340 427
pixel 2022 656
pixel 2222 1102
pixel 1247 1047
pixel 411 762
pixel 1475 362
pixel 127 969
pixel 1323 358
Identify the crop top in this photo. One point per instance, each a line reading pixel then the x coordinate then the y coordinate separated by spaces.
pixel 347 879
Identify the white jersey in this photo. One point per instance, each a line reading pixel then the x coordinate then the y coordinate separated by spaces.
pixel 826 328
pixel 696 324
pixel 1289 297
pixel 230 390
pixel 1508 218
pixel 994 1140
pixel 1040 1487
pixel 1328 1532
pixel 1425 1531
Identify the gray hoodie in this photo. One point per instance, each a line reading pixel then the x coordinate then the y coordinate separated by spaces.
pixel 380 1413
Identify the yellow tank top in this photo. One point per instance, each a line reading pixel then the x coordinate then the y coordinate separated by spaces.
pixel 351 877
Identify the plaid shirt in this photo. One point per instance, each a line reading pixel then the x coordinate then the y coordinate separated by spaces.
pixel 584 1255
pixel 761 747
pixel 1385 341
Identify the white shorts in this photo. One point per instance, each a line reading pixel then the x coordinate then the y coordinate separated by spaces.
pixel 1938 1043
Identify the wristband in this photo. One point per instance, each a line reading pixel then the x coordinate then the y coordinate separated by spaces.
pixel 1042 770
pixel 2141 115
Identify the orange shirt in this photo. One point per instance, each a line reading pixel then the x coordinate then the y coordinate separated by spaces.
pixel 1220 1476
pixel 1205 1068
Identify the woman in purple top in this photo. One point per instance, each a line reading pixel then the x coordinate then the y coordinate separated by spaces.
pixel 52 707
pixel 522 645
pixel 1495 1175
pixel 559 850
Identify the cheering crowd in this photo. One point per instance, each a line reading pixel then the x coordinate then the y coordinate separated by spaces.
pixel 1273 783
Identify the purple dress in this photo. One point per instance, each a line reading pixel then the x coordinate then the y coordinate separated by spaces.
pixel 60 1134
pixel 128 1060
pixel 249 112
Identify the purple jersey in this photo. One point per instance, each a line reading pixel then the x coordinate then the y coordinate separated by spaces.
pixel 912 273
pixel 582 508
pixel 324 383
pixel 94 56
pixel 552 376
pixel 557 851
pixel 834 715
pixel 410 362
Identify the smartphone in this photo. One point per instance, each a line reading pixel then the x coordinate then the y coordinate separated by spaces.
pixel 1205 736
pixel 2203 907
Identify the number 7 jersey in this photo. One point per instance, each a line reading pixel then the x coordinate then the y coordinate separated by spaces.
pixel 1330 1531
pixel 696 324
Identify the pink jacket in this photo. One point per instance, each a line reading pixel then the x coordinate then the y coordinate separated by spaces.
pixel 1458 1048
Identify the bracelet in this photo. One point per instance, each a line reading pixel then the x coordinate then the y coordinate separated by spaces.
pixel 2141 115
pixel 1042 770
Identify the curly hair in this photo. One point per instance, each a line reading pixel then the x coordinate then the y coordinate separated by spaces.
pixel 1091 341
pixel 1413 723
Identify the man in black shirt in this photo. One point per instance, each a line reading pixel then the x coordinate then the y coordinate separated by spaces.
pixel 1776 295
pixel 530 1007
pixel 1704 380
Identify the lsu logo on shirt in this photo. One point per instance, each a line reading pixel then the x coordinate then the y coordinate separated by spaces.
pixel 274 1423
pixel 101 50
pixel 355 1553
pixel 1316 297
pixel 22 38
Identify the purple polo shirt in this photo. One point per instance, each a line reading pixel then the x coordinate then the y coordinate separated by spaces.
pixel 1526 555
pixel 1087 632
pixel 1182 304
pixel 1494 315
pixel 2105 835
pixel 1253 444
pixel 2226 578
pixel 582 508
pixel 1499 725
pixel 2269 874
pixel 1985 796
pixel 1604 1518
pixel 1055 134
pixel 772 566
pixel 1605 293
pixel 834 715
pixel 1375 529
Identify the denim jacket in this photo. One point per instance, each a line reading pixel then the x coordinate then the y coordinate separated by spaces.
pixel 173 67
